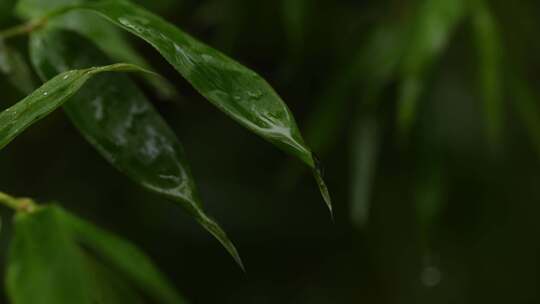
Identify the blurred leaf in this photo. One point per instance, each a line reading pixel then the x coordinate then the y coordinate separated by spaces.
pixel 14 66
pixel 431 29
pixel 105 35
pixel 107 287
pixel 294 18
pixel 124 258
pixel 48 98
pixel 117 119
pixel 490 55
pixel 365 146
pixel 236 90
pixel 45 266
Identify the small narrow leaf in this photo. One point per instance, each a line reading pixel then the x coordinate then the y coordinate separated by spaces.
pixel 45 266
pixel 236 90
pixel 47 98
pixel 124 258
pixel 490 55
pixel 117 119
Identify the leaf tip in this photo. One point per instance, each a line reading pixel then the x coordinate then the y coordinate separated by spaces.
pixel 318 172
pixel 215 229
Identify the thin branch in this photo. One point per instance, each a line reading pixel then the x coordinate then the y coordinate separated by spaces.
pixel 17 204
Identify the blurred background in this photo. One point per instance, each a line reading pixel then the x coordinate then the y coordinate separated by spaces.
pixel 425 114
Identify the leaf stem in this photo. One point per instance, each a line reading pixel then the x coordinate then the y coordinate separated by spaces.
pixel 23 29
pixel 17 204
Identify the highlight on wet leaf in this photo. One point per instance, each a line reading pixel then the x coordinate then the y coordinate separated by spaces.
pixel 114 115
pixel 233 88
pixel 49 97
pixel 105 35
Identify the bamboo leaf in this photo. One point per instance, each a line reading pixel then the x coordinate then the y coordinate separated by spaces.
pixel 47 98
pixel 117 119
pixel 104 34
pixel 124 258
pixel 45 266
pixel 57 258
pixel 236 90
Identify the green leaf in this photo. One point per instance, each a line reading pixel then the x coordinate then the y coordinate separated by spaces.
pixel 47 98
pixel 14 66
pixel 236 90
pixel 428 36
pixel 117 119
pixel 124 258
pixel 104 34
pixel 57 258
pixel 490 55
pixel 45 266
pixel 107 286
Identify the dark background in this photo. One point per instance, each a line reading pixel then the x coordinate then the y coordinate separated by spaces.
pixel 479 245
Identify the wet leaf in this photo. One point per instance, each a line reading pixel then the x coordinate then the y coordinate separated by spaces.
pixel 105 35
pixel 45 266
pixel 117 119
pixel 47 98
pixel 236 90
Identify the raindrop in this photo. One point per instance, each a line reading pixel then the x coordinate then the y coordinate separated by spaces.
pixel 431 276
pixel 46 93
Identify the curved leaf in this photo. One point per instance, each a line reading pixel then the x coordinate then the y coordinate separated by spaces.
pixel 117 119
pixel 236 90
pixel 48 98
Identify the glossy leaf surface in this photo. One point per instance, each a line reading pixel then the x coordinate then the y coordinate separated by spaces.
pixel 117 119
pixel 48 98
pixel 236 90
pixel 101 32
pixel 45 266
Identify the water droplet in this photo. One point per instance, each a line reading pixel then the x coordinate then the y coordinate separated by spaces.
pixel 255 95
pixel 66 77
pixel 46 93
pixel 431 276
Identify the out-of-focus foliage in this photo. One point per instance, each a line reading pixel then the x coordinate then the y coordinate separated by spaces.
pixel 425 113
